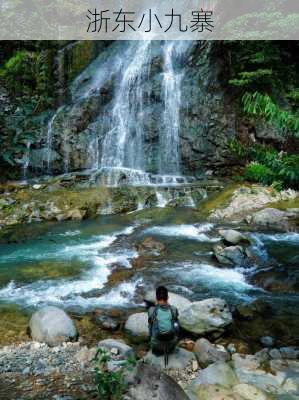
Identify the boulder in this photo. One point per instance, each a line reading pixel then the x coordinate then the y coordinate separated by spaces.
pixel 232 236
pixel 249 392
pixel 270 218
pixel 232 255
pixel 118 348
pixel 176 300
pixel 151 247
pixel 179 359
pixel 210 315
pixel 53 326
pixel 151 383
pixel 219 373
pixel 137 327
pixel 211 392
pixel 208 353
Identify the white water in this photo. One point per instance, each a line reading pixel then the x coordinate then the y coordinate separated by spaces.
pixel 184 231
pixel 26 159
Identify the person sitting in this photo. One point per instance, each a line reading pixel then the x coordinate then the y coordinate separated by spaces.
pixel 163 325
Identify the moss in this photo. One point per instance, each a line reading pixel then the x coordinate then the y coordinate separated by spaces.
pixel 218 199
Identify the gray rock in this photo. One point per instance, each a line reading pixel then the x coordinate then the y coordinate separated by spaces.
pixel 151 383
pixel 124 351
pixel 210 315
pixel 208 353
pixel 270 218
pixel 219 373
pixel 53 326
pixel 232 236
pixel 179 359
pixel 137 327
pixel 176 300
pixel 232 255
pixel 267 341
pixel 249 392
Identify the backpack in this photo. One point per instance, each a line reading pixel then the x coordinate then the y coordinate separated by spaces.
pixel 163 320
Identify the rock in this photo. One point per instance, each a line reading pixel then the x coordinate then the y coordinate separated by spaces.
pixel 205 316
pixel 137 327
pixel 249 369
pixel 179 359
pixel 176 300
pixel 232 255
pixel 219 373
pixel 249 392
pixel 106 322
pixel 151 246
pixel 123 351
pixel 208 353
pixel 151 383
pixel 232 236
pixel 211 392
pixel 267 341
pixel 53 326
pixel 270 218
pixel 85 355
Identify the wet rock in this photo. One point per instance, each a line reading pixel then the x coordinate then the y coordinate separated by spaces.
pixel 105 322
pixel 232 236
pixel 137 327
pixel 208 353
pixel 117 348
pixel 232 255
pixel 271 218
pixel 205 316
pixel 267 341
pixel 179 359
pixel 53 326
pixel 151 246
pixel 176 300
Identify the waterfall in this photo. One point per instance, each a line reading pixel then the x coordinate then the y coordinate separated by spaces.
pixel 123 144
pixel 26 160
pixel 169 138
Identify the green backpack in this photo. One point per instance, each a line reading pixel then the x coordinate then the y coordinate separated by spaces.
pixel 164 323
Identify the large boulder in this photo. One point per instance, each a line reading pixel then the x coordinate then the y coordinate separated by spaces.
pixel 208 353
pixel 53 326
pixel 270 218
pixel 210 315
pixel 151 383
pixel 137 327
pixel 219 373
pixel 176 300
pixel 179 359
pixel 232 236
pixel 232 255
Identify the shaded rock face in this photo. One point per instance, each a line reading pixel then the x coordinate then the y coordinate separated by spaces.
pixel 210 315
pixel 152 384
pixel 208 353
pixel 53 326
pixel 80 128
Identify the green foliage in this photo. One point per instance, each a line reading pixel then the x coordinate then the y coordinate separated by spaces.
pixel 256 172
pixel 260 105
pixel 110 384
pixel 268 166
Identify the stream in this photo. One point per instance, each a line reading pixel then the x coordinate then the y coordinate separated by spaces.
pixel 69 264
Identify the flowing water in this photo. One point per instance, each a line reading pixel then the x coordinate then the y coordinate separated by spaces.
pixel 70 264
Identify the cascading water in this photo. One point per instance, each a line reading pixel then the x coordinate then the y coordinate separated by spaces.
pixel 169 138
pixel 26 160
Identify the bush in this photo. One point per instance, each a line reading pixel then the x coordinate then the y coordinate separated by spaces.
pixel 110 384
pixel 256 172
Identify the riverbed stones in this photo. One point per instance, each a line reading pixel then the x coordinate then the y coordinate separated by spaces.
pixel 53 326
pixel 151 247
pixel 209 315
pixel 231 255
pixel 208 353
pixel 232 236
pixel 174 299
pixel 137 327
pixel 118 348
pixel 179 359
pixel 271 218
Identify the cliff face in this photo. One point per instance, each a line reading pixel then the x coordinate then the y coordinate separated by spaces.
pixel 178 108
